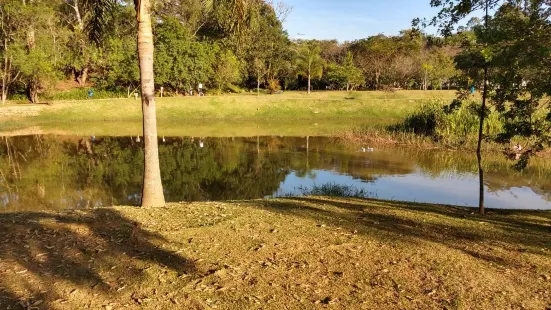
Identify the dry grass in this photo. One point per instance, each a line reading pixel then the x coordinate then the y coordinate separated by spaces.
pixel 296 253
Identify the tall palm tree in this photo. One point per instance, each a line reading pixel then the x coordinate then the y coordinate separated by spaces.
pixel 152 191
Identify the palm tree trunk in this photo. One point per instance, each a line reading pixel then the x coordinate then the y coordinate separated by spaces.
pixel 309 83
pixel 152 192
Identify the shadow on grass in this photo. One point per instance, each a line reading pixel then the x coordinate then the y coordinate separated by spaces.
pixel 98 252
pixel 455 227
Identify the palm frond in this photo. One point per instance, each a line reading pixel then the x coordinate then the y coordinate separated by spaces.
pixel 98 13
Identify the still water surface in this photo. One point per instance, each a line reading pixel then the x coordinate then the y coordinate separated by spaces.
pixel 57 172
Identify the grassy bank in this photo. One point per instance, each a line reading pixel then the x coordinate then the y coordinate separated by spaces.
pixel 289 107
pixel 296 253
pixel 439 123
pixel 193 128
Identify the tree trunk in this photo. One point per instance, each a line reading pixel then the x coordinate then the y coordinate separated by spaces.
pixel 479 147
pixel 481 208
pixel 80 23
pixel 152 192
pixel 4 88
pixel 31 40
pixel 425 81
pixel 82 77
pixel 5 75
pixel 258 86
pixel 309 84
pixel 33 85
pixel 33 92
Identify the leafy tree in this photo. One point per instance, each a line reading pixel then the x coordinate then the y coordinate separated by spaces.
pixel 88 21
pixel 226 70
pixel 120 65
pixel 512 52
pixel 518 44
pixel 346 76
pixel 10 24
pixel 181 62
pixel 32 49
pixel 452 11
pixel 335 76
pixel 354 76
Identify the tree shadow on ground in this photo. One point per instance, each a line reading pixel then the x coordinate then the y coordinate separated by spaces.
pixel 97 252
pixel 455 227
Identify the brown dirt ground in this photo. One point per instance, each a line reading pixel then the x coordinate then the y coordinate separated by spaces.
pixel 296 253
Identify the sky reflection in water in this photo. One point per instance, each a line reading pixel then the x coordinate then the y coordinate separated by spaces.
pixel 57 172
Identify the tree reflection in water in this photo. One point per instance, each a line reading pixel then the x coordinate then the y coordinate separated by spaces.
pixel 53 172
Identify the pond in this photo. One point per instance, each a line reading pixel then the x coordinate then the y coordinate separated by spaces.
pixel 65 172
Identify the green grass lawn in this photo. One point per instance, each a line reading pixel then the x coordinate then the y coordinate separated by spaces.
pixel 295 253
pixel 284 108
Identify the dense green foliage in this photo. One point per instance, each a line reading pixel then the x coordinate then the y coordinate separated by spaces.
pixel 453 124
pixel 513 48
pixel 201 42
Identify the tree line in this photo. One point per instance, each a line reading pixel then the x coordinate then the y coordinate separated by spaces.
pixel 225 47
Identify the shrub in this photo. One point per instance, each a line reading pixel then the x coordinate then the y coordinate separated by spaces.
pixel 455 122
pixel 335 190
pixel 274 86
pixel 82 94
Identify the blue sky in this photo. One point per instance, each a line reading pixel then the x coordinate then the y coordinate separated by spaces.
pixel 347 20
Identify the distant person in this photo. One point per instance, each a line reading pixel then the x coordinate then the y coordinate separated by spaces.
pixel 472 90
pixel 135 95
pixel 200 89
pixel 90 93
